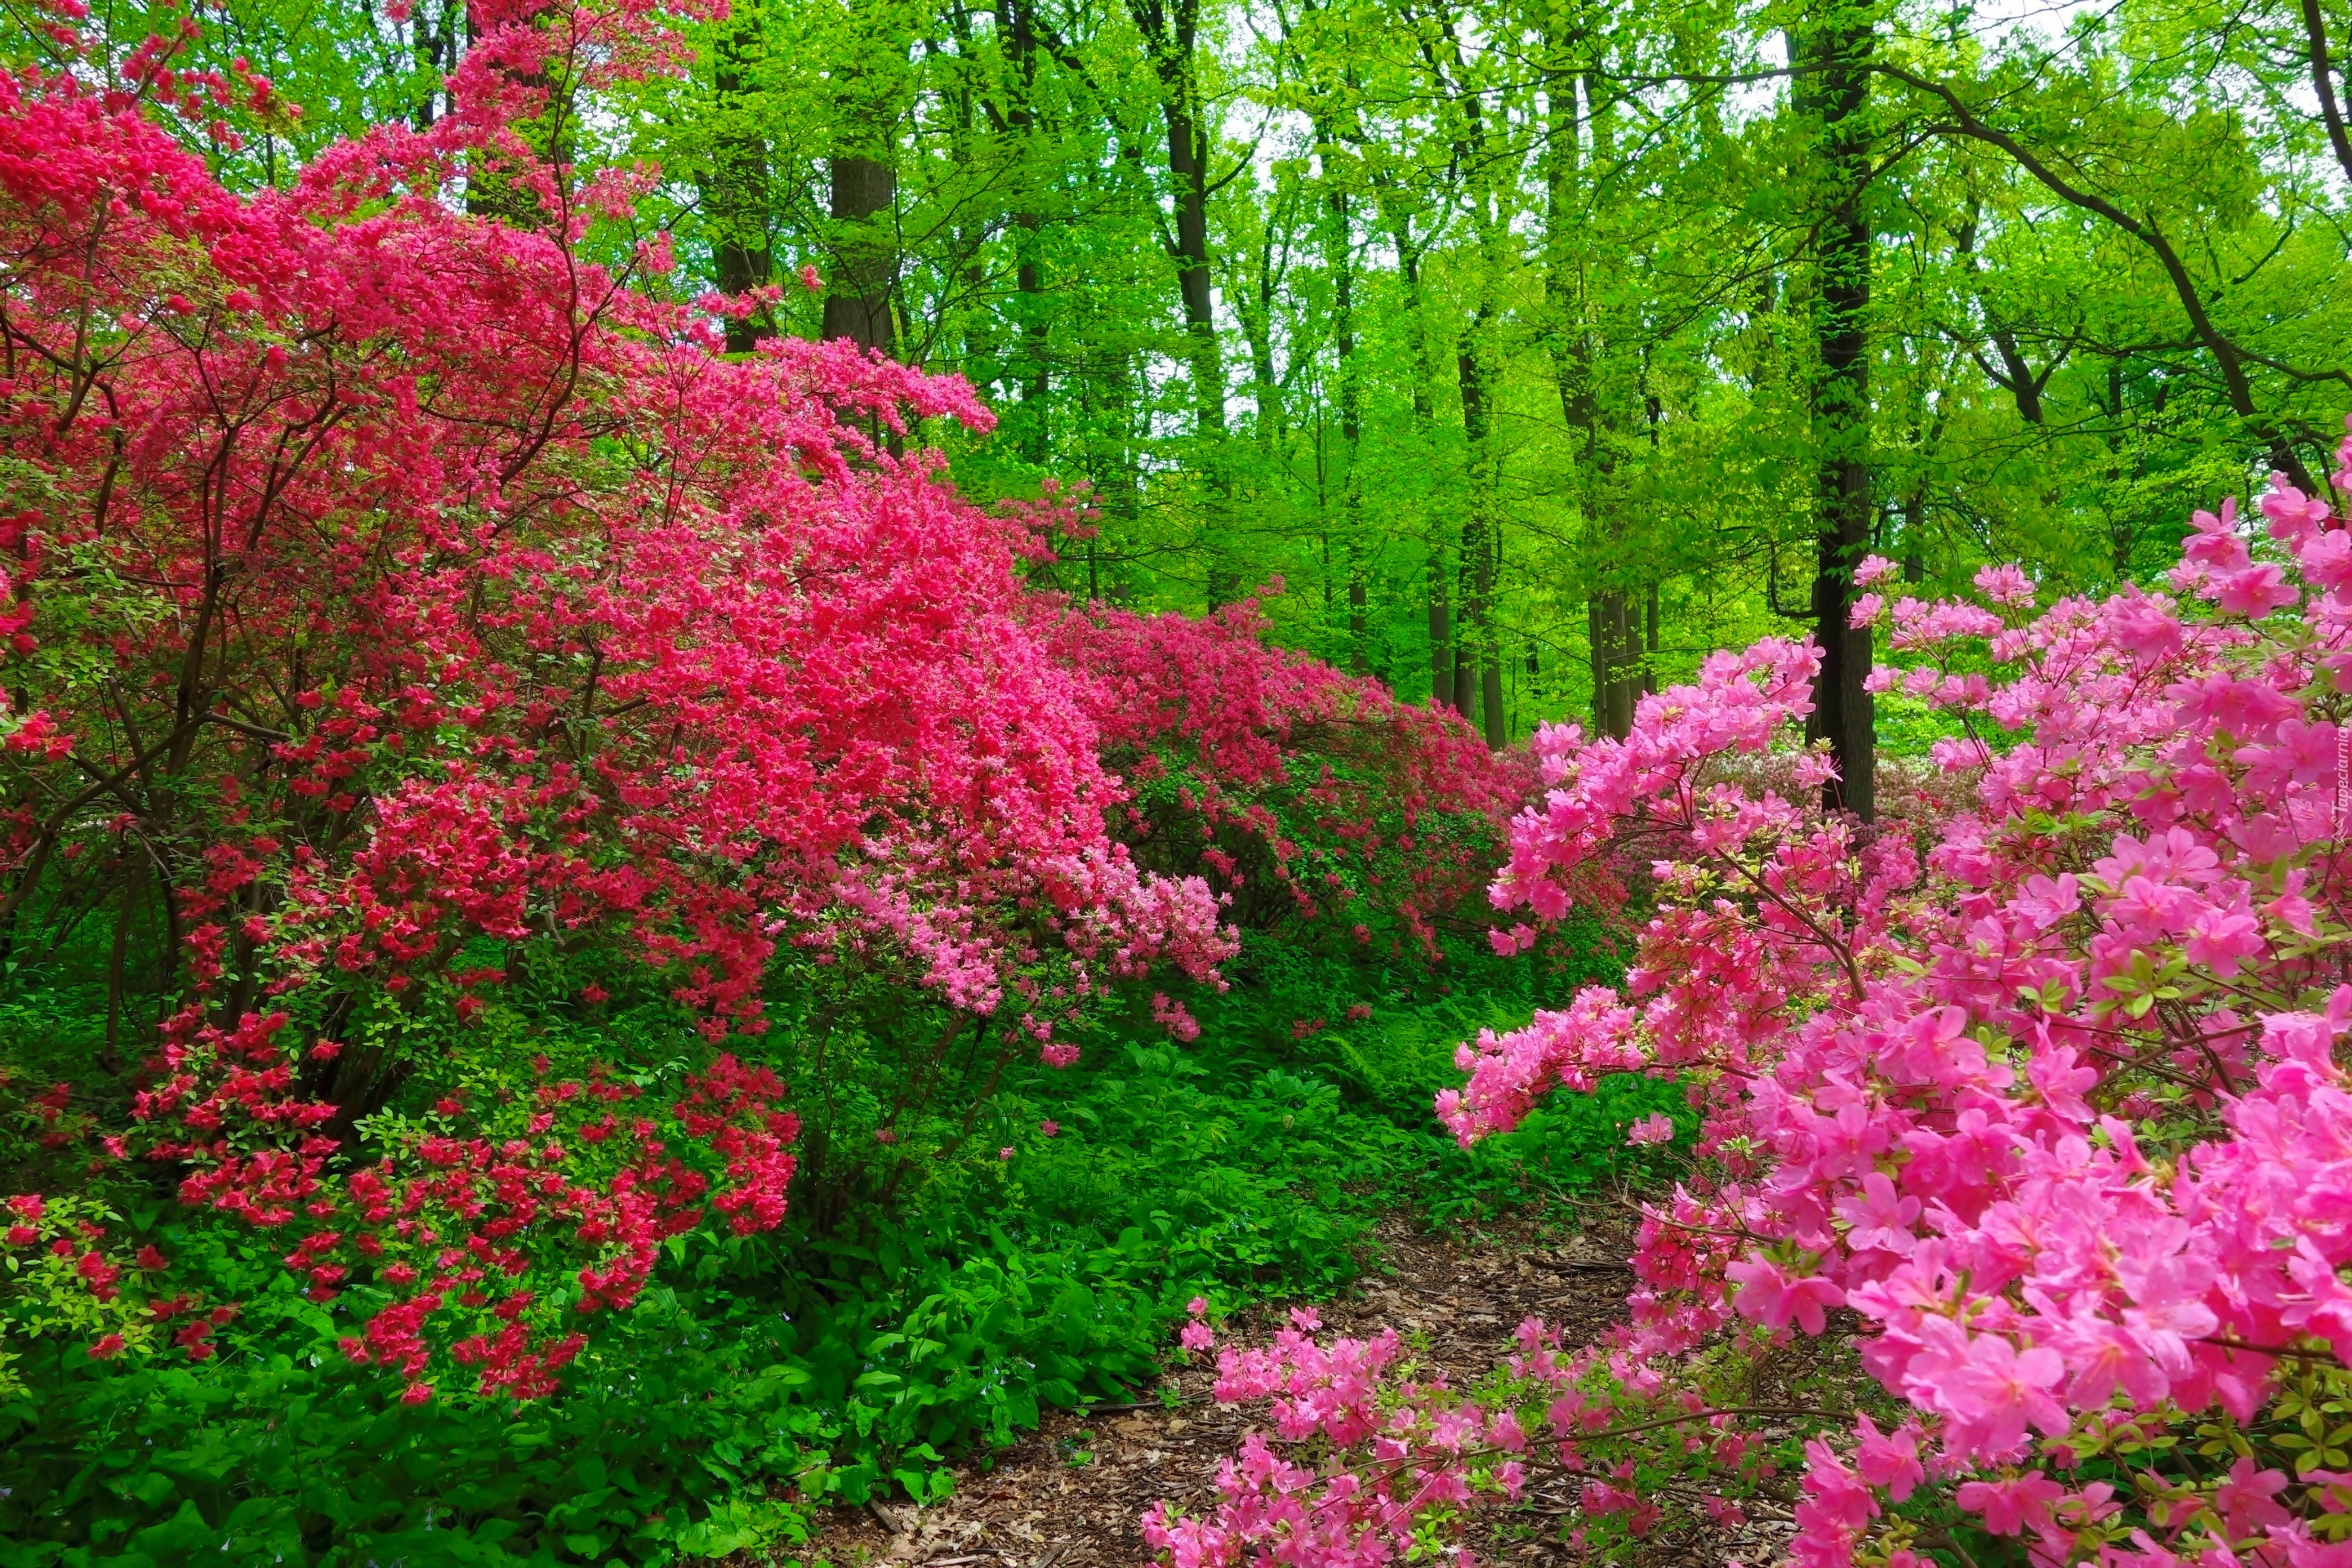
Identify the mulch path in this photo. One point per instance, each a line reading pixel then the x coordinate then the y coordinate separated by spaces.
pixel 1070 1495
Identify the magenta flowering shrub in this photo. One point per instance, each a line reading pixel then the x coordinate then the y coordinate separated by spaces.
pixel 1306 797
pixel 495 1233
pixel 506 609
pixel 2033 1090
pixel 393 600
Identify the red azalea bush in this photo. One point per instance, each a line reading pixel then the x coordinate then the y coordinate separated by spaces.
pixel 405 579
pixel 555 1203
pixel 1308 798
pixel 398 599
pixel 496 1232
pixel 2032 1093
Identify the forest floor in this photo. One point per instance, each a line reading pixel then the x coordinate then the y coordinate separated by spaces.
pixel 1070 1495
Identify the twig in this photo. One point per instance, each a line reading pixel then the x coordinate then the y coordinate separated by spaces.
pixel 1140 1404
pixel 2285 1352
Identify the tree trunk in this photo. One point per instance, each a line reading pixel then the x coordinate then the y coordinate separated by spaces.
pixel 1650 665
pixel 2323 84
pixel 736 194
pixel 1835 92
pixel 1619 674
pixel 858 306
pixel 1441 618
pixel 1018 20
pixel 2122 526
pixel 1477 664
pixel 1477 671
pixel 1171 34
pixel 1265 388
pixel 436 49
pixel 1616 654
pixel 1340 262
pixel 1441 634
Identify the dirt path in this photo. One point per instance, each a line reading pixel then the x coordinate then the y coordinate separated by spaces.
pixel 1068 1496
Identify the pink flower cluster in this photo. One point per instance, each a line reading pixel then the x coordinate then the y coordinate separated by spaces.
pixel 2038 1082
pixel 1404 1450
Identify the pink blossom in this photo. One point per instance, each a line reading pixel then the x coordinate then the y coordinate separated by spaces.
pixel 1890 1462
pixel 2005 584
pixel 1774 1297
pixel 1990 1391
pixel 1879 1217
pixel 1171 1016
pixel 2011 1506
pixel 2252 591
pixel 2246 1499
pixel 1654 1128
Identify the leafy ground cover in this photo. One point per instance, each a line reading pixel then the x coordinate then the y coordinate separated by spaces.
pixel 592 956
pixel 1072 1493
pixel 763 1377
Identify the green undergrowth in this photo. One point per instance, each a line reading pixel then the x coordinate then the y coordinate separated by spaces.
pixel 1016 1271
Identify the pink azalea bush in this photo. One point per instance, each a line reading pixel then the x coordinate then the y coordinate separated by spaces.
pixel 2033 1092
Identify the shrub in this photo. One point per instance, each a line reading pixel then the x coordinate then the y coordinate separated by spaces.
pixel 403 602
pixel 2034 1086
pixel 1316 802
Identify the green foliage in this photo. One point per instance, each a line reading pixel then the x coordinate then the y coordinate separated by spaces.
pixel 1545 282
pixel 269 1458
pixel 1552 269
pixel 948 1298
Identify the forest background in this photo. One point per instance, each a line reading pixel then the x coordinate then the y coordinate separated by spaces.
pixel 1532 351
pixel 1531 347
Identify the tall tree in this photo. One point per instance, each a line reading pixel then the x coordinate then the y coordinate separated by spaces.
pixel 735 189
pixel 1830 51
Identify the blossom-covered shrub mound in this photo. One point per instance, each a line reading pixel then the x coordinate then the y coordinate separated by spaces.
pixel 493 1233
pixel 1314 800
pixel 398 601
pixel 2031 1092
pixel 386 578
